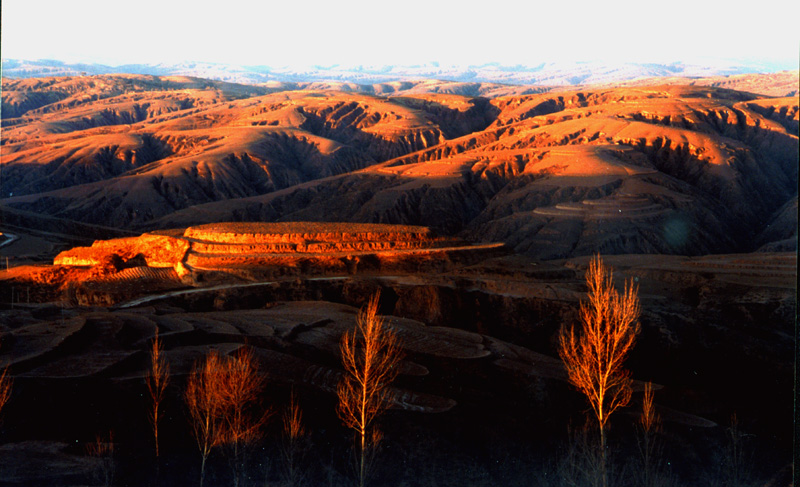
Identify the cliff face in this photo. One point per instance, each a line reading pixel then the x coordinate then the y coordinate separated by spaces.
pixel 155 250
pixel 268 251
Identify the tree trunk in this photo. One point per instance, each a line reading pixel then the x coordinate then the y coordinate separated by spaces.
pixel 647 459
pixel 361 466
pixel 203 470
pixel 155 428
pixel 236 466
pixel 603 458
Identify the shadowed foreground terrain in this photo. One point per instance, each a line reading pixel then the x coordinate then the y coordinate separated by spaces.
pixel 480 378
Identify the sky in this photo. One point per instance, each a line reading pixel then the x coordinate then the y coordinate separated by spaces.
pixel 373 33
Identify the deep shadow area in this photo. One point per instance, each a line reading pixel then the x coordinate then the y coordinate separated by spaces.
pixel 511 415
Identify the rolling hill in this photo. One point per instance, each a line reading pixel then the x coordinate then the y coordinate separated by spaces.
pixel 674 169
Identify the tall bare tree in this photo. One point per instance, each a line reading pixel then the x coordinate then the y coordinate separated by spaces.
pixel 650 424
pixel 102 449
pixel 157 381
pixel 205 406
pixel 370 355
pixel 594 357
pixel 222 395
pixel 5 388
pixel 241 388
pixel 294 447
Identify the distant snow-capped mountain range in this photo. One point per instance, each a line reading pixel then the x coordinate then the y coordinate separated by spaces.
pixel 547 74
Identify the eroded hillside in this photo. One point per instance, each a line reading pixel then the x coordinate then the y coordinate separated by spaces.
pixel 655 169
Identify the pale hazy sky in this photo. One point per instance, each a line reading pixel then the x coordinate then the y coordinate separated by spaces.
pixel 351 32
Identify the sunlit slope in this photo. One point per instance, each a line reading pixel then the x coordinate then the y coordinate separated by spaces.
pixel 26 97
pixel 656 169
pixel 142 155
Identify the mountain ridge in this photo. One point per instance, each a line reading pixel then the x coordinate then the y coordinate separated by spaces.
pixel 539 77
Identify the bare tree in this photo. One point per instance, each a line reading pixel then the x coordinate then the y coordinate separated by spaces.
pixel 205 406
pixel 370 355
pixel 241 387
pixel 5 388
pixel 294 447
pixel 736 461
pixel 222 395
pixel 157 382
pixel 650 425
pixel 103 450
pixel 594 358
